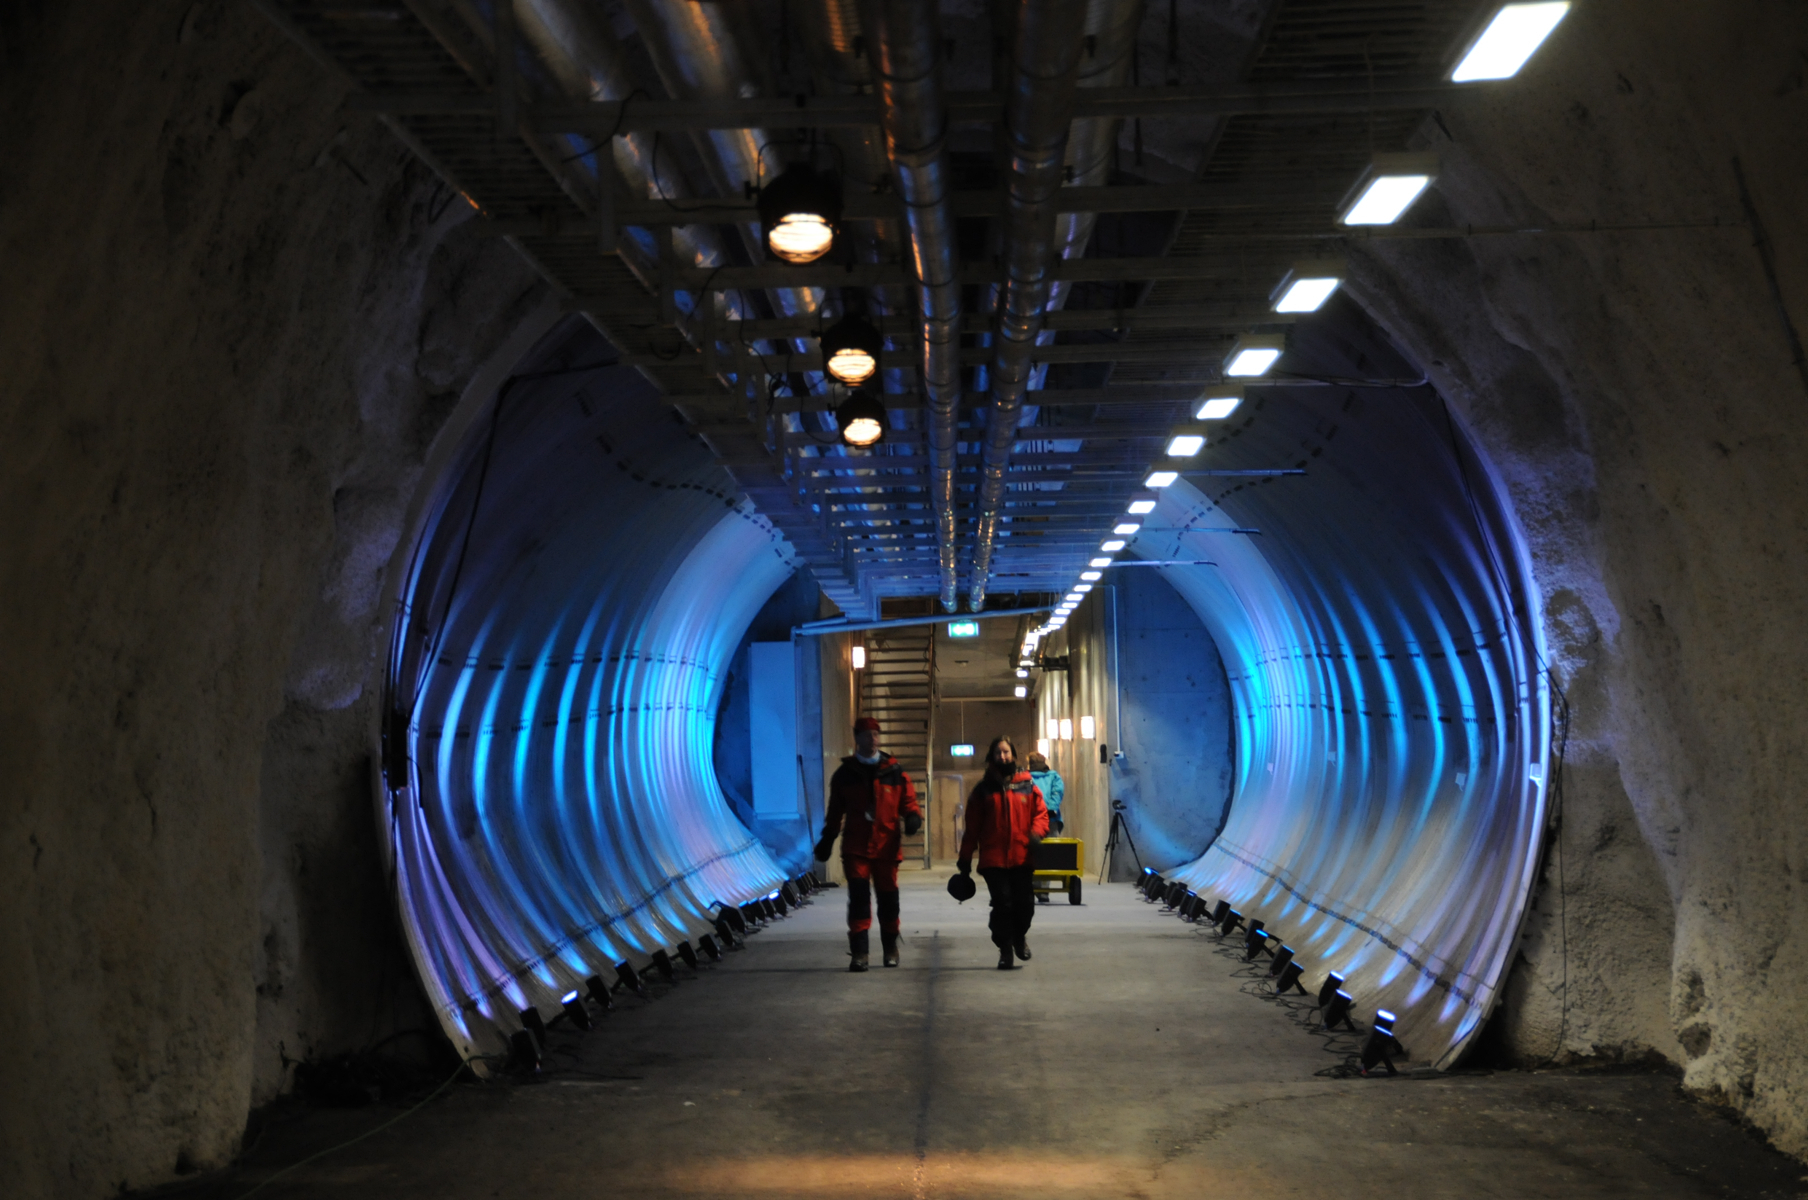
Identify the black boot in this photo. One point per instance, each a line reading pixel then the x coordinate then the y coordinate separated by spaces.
pixel 1005 963
pixel 1023 949
pixel 857 951
pixel 888 942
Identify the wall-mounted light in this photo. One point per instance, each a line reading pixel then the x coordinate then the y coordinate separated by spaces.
pixel 1307 285
pixel 1141 504
pixel 1054 729
pixel 1186 441
pixel 1044 747
pixel 1126 528
pixel 858 655
pixel 861 418
pixel 1387 188
pixel 1067 729
pixel 1219 401
pixel 1087 728
pixel 1021 691
pixel 799 213
pixel 1507 41
pixel 1252 354
pixel 1159 479
pixel 850 350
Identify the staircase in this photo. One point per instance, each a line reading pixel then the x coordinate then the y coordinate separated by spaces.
pixel 895 690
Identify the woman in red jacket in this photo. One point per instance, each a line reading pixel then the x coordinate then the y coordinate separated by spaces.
pixel 1006 818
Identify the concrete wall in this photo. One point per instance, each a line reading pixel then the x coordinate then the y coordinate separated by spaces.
pixel 1637 393
pixel 233 320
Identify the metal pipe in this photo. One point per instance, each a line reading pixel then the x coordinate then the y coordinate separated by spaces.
pixel 812 628
pixel 906 54
pixel 1039 98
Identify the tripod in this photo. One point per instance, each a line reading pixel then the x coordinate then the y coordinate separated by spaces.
pixel 1117 823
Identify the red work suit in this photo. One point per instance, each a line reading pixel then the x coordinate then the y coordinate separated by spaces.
pixel 867 804
pixel 1002 820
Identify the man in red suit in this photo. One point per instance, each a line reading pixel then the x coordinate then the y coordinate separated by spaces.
pixel 870 796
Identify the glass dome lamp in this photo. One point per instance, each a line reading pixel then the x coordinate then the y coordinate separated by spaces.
pixel 800 212
pixel 861 418
pixel 850 350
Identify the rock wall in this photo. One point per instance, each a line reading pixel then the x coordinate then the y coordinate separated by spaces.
pixel 1638 393
pixel 233 320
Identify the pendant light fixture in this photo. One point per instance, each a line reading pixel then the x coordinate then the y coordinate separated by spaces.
pixel 800 212
pixel 861 418
pixel 850 350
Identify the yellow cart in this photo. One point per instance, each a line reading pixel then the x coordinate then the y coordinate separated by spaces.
pixel 1059 863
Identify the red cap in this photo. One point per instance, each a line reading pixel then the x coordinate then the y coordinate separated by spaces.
pixel 866 723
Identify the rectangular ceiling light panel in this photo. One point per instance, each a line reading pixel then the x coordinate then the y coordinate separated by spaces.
pixel 1388 188
pixel 1307 285
pixel 1512 37
pixel 1253 354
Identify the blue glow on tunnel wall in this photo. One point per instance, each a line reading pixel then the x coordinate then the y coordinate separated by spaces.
pixel 1391 717
pixel 560 661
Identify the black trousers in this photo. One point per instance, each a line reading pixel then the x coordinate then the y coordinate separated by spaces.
pixel 1013 903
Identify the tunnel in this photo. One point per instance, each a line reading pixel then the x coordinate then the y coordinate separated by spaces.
pixel 456 575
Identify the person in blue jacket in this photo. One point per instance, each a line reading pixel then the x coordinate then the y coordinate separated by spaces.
pixel 1051 787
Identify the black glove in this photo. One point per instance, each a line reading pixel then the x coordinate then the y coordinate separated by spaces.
pixel 966 866
pixel 912 823
pixel 823 849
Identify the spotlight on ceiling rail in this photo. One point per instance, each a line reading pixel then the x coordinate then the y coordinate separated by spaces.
pixel 1387 188
pixel 850 350
pixel 1307 285
pixel 800 212
pixel 1141 504
pixel 575 1012
pixel 861 418
pixel 1254 354
pixel 1380 1046
pixel 1218 401
pixel 1508 40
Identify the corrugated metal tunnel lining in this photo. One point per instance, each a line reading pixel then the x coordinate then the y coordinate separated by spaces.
pixel 566 651
pixel 1392 717
pixel 577 590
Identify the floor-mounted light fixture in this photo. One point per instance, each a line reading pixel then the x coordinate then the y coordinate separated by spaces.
pixel 861 418
pixel 1386 188
pixel 850 350
pixel 1307 285
pixel 1252 354
pixel 575 1012
pixel 1381 1045
pixel 1219 401
pixel 1511 37
pixel 800 212
pixel 1337 1011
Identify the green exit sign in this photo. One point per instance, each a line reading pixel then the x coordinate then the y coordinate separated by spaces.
pixel 963 629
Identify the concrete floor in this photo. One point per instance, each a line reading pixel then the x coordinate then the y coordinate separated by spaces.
pixel 1128 1059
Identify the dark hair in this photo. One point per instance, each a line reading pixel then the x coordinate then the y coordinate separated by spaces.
pixel 992 750
pixel 1036 761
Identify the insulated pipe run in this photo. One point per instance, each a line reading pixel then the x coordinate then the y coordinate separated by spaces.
pixel 906 51
pixel 1039 102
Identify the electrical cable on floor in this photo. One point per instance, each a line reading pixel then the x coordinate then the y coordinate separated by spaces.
pixel 269 1179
